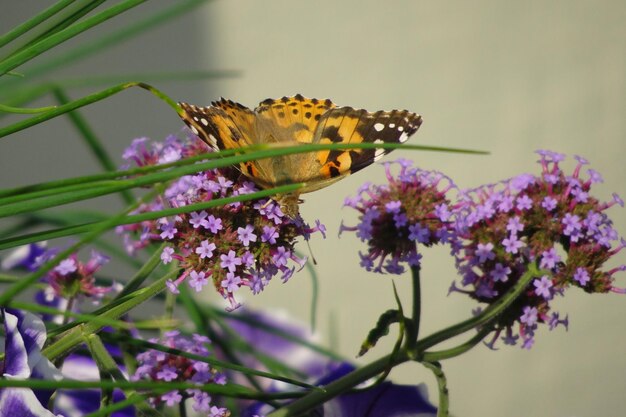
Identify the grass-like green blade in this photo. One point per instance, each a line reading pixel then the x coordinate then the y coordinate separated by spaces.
pixel 153 215
pixel 115 37
pixel 18 94
pixel 60 21
pixel 92 98
pixel 33 22
pixel 55 39
pixel 92 235
pixel 92 141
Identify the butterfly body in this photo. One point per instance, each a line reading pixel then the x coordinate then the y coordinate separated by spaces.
pixel 298 120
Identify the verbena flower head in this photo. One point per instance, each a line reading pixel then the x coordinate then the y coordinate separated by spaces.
pixel 410 209
pixel 71 278
pixel 550 219
pixel 242 244
pixel 159 366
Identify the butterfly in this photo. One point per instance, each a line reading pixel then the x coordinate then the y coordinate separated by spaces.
pixel 299 120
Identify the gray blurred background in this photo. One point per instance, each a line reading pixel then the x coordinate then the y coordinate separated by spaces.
pixel 502 76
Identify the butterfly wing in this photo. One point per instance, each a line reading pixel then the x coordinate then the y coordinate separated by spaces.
pixel 348 125
pixel 227 125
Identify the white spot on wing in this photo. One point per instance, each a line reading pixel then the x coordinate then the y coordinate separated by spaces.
pixel 212 139
pixel 379 127
pixel 204 121
pixel 194 130
pixel 403 137
pixel 392 125
pixel 380 152
pixel 195 118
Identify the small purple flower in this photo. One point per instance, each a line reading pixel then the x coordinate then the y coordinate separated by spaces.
pixel 393 207
pixel 214 224
pixel 549 203
pixel 66 267
pixel 524 203
pixel 246 235
pixel 549 259
pixel 197 280
pixel 419 233
pixel 166 255
pixel 269 234
pixel 581 276
pixel 500 272
pixel 167 373
pixel 281 256
pixel 230 261
pixel 172 398
pixel 232 282
pixel 542 287
pixel 172 286
pixel 199 219
pixel 515 225
pixel 571 223
pixel 512 244
pixel 595 176
pixel 529 317
pixel 168 231
pixel 205 250
pixel 484 251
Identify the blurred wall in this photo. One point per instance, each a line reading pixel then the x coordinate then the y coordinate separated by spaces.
pixel 502 76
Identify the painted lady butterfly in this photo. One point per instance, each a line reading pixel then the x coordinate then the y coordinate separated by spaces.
pixel 299 120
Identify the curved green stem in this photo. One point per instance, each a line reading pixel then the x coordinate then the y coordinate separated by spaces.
pixel 485 317
pixel 442 385
pixel 340 386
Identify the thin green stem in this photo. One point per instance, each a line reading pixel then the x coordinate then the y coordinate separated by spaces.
pixel 33 22
pixel 93 142
pixel 142 274
pixel 30 52
pixel 92 98
pixel 97 230
pixel 114 37
pixel 414 329
pixel 72 338
pixel 442 385
pixel 118 221
pixel 485 317
pixel 339 386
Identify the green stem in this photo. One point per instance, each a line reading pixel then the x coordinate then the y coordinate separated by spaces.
pixel 94 144
pixel 142 274
pixel 485 317
pixel 74 337
pixel 442 385
pixel 114 37
pixel 413 331
pixel 30 52
pixel 97 230
pixel 92 98
pixel 311 400
pixel 457 350
pixel 31 23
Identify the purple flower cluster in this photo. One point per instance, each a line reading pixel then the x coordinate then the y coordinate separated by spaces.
pixel 550 219
pixel 232 246
pixel 159 366
pixel 70 279
pixel 412 208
